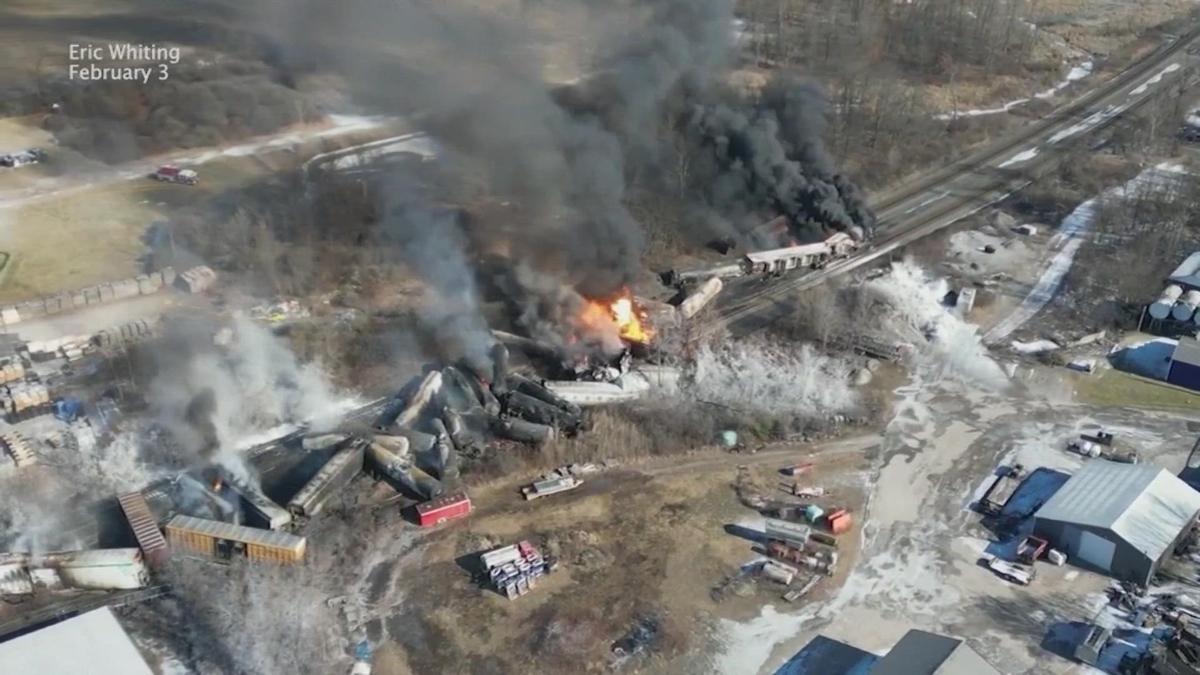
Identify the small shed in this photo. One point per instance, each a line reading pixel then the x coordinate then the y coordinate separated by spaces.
pixel 1120 519
pixel 1184 370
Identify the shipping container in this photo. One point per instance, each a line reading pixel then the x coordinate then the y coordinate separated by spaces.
pixel 225 540
pixel 334 476
pixel 448 507
pixel 107 569
pixel 145 528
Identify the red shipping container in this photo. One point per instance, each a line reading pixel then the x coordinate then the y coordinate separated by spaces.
pixel 840 521
pixel 446 507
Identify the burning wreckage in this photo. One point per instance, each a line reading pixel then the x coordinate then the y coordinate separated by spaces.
pixel 453 411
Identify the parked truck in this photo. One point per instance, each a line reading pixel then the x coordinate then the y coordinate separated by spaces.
pixel 1002 489
pixel 170 173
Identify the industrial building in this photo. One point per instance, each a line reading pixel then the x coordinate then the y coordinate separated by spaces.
pixel 917 653
pixel 921 653
pixel 92 643
pixel 1120 519
pixel 1184 370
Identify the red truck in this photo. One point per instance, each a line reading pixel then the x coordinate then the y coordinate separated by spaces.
pixel 172 174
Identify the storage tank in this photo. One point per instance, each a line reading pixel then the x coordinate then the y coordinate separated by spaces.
pixel 1161 308
pixel 1186 307
pixel 697 301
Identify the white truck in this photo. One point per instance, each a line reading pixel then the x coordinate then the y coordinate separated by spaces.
pixel 23 158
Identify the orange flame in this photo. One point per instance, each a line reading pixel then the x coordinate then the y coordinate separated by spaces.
pixel 217 484
pixel 624 312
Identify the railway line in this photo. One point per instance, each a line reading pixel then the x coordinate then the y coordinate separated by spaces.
pixel 945 196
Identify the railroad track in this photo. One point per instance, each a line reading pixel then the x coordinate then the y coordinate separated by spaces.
pixel 947 195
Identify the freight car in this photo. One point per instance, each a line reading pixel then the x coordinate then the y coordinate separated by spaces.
pixel 226 540
pixel 772 262
pixel 145 528
pixel 337 472
pixel 260 510
pixel 108 569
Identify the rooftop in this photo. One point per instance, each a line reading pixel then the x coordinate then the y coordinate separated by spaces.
pixel 1187 351
pixel 922 653
pixel 1188 272
pixel 1144 504
pixel 93 643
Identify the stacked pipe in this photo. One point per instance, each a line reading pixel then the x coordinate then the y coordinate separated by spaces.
pixel 1161 308
pixel 24 401
pixel 12 371
pixel 126 333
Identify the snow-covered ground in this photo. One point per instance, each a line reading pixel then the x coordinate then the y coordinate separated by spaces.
pixel 1075 74
pixel 1067 242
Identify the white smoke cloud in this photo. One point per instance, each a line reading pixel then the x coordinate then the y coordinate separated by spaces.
pixel 220 401
pixel 765 377
pixel 947 346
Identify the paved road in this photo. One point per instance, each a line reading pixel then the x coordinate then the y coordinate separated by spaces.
pixel 945 196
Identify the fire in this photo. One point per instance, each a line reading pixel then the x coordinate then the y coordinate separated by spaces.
pixel 622 311
pixel 217 484
pixel 629 320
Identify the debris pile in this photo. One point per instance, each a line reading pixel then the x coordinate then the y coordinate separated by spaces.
pixel 514 570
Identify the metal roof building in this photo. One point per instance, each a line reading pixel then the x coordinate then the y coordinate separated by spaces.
pixel 1121 519
pixel 1184 370
pixel 92 643
pixel 1188 272
pixel 921 653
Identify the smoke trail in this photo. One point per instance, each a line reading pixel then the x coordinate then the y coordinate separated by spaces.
pixel 432 243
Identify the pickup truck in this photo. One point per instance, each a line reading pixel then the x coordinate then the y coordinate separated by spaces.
pixel 1017 574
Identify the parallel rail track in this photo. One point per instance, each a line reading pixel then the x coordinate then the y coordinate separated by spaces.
pixel 933 202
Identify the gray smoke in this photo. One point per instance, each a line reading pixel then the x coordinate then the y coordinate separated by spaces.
pixel 433 244
pixel 216 400
pixel 474 78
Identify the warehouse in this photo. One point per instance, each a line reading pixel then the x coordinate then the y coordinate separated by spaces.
pixel 1120 519
pixel 921 653
pixel 1184 370
pixel 917 653
pixel 92 643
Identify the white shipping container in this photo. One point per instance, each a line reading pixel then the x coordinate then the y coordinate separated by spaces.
pixel 102 569
pixel 501 556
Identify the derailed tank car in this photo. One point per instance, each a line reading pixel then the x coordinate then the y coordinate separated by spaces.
pixel 337 472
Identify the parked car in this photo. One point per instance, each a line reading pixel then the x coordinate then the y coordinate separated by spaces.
pixel 16 159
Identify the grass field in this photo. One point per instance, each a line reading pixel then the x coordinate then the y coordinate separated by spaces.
pixel 1115 388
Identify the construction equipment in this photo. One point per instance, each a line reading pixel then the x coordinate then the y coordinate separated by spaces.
pixel 1031 549
pixel 1002 489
